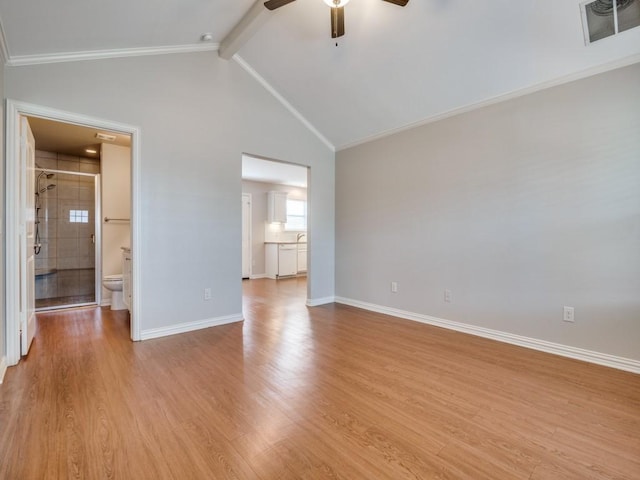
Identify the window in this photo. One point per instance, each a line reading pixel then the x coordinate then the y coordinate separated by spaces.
pixel 79 216
pixel 296 215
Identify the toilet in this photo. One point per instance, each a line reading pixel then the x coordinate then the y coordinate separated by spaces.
pixel 114 284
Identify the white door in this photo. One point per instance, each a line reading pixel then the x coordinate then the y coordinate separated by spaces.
pixel 27 233
pixel 246 235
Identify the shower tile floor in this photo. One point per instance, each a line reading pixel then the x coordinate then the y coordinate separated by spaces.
pixel 64 301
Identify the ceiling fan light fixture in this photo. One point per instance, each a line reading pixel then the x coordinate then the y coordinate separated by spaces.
pixel 336 3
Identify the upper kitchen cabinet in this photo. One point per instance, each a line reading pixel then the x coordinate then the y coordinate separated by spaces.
pixel 277 207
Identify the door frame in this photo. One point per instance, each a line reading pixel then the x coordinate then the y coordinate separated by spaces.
pixel 13 205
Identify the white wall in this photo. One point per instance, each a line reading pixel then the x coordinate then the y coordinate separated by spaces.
pixel 115 171
pixel 258 191
pixel 197 115
pixel 519 209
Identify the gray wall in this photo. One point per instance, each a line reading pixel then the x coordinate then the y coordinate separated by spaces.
pixel 519 209
pixel 197 115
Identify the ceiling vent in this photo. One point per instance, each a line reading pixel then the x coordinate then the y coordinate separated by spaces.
pixel 606 18
pixel 106 137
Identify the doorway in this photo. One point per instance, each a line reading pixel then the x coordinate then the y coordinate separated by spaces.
pixel 278 196
pixel 16 206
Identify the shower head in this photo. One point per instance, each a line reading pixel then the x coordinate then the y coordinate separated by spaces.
pixel 48 187
pixel 45 174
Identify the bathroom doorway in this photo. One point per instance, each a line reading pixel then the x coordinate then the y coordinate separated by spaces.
pixel 16 208
pixel 67 212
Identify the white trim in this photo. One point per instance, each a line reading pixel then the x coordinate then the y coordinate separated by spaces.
pixel 621 363
pixel 247 68
pixel 135 309
pixel 314 302
pixel 3 368
pixel 189 326
pixel 257 276
pixel 22 60
pixel 12 238
pixel 497 99
pixel 14 110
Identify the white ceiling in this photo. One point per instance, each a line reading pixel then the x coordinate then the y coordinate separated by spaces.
pixel 70 139
pixel 394 68
pixel 268 171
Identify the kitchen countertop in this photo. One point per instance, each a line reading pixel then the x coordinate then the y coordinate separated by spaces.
pixel 287 243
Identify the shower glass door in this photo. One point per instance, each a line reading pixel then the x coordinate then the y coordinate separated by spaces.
pixel 65 243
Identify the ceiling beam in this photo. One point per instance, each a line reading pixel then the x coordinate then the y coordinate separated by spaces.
pixel 244 30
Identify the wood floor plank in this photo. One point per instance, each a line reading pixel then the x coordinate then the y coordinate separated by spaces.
pixel 329 392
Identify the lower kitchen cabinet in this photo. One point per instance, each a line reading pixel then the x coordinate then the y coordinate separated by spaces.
pixel 281 260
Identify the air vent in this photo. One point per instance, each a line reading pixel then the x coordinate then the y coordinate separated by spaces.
pixel 106 137
pixel 606 18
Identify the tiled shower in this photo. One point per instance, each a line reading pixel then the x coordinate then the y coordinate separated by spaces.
pixel 65 264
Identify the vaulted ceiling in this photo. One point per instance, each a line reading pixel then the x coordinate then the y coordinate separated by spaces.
pixel 394 68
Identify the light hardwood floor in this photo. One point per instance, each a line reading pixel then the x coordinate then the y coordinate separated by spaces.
pixel 296 392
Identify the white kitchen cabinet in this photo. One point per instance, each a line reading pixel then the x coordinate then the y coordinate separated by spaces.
pixel 277 207
pixel 281 260
pixel 287 260
pixel 302 258
pixel 271 260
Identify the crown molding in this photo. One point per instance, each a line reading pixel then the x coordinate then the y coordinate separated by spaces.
pixel 23 60
pixel 283 101
pixel 623 62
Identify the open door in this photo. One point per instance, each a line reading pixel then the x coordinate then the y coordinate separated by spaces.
pixel 246 235
pixel 27 236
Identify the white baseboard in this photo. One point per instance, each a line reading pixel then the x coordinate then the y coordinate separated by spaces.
pixel 3 368
pixel 106 302
pixel 605 359
pixel 257 276
pixel 189 326
pixel 314 302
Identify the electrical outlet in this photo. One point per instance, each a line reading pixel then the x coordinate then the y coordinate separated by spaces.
pixel 394 287
pixel 568 315
pixel 207 294
pixel 447 296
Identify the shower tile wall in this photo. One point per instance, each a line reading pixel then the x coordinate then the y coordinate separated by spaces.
pixel 67 248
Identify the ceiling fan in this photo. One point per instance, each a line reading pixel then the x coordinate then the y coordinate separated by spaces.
pixel 337 12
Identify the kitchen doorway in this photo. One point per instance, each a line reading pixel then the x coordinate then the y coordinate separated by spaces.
pixel 279 208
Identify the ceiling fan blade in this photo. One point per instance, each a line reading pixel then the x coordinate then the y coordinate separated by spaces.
pixel 337 22
pixel 273 4
pixel 402 3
